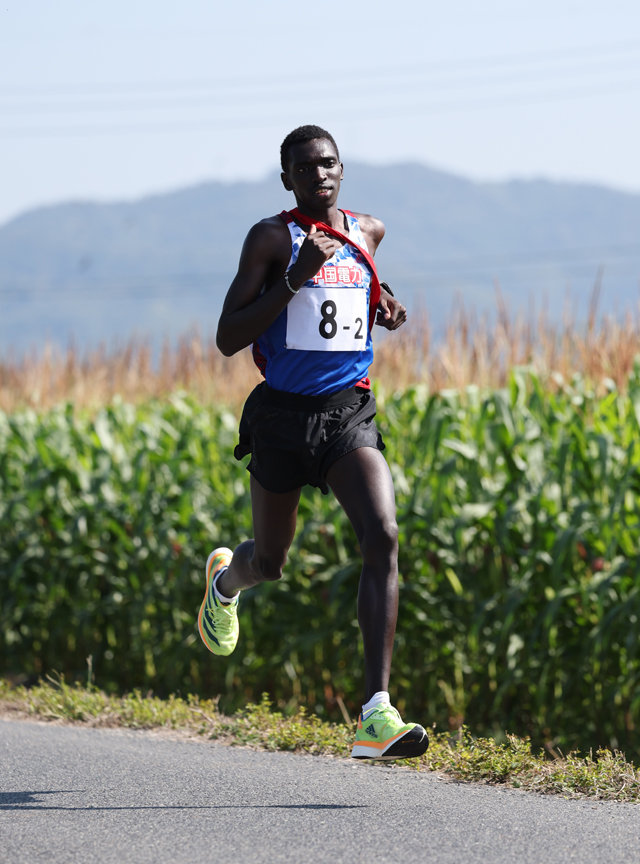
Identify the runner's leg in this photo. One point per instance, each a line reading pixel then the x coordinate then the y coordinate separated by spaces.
pixel 262 559
pixel 362 483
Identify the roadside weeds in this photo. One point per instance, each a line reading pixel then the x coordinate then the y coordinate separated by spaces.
pixel 605 775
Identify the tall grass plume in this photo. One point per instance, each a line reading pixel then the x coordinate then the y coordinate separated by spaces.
pixel 470 349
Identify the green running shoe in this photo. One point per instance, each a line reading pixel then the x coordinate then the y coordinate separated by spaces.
pixel 381 734
pixel 218 624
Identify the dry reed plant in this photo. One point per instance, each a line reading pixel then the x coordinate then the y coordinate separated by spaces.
pixel 472 350
pixel 475 350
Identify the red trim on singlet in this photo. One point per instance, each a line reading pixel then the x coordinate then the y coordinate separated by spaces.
pixel 259 359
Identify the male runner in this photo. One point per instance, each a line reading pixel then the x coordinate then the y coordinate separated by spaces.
pixel 305 296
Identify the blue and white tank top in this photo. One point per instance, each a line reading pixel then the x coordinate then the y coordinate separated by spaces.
pixel 320 343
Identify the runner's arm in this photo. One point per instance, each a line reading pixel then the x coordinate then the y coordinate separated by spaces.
pixel 249 308
pixel 259 293
pixel 391 313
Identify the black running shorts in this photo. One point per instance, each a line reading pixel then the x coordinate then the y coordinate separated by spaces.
pixel 294 439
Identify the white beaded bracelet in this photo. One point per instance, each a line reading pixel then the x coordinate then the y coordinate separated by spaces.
pixel 288 284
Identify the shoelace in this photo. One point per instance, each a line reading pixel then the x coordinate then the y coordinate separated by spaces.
pixel 386 710
pixel 225 624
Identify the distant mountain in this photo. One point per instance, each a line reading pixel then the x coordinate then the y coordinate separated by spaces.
pixel 155 267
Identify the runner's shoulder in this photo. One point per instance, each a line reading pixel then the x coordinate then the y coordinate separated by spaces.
pixel 269 235
pixel 372 227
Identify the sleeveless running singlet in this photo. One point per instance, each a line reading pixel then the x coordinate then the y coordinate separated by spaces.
pixel 321 343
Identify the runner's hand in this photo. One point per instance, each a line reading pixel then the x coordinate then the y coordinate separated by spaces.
pixel 391 313
pixel 317 248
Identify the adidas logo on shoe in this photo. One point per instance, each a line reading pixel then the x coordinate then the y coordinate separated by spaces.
pixel 370 730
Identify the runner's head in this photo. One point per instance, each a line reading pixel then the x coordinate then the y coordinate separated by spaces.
pixel 311 168
pixel 300 136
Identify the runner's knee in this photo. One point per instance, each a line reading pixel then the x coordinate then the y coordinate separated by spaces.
pixel 380 541
pixel 268 566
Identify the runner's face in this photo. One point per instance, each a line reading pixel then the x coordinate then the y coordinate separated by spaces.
pixel 313 174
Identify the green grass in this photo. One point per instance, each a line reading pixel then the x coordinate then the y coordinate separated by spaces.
pixel 606 775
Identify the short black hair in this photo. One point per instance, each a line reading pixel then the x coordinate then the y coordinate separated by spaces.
pixel 300 136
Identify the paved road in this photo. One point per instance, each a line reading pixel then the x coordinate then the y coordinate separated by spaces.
pixel 72 794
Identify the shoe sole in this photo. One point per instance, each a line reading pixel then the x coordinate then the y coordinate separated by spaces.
pixel 209 573
pixel 412 744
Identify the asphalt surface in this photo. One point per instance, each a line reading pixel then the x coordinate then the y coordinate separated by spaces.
pixel 73 794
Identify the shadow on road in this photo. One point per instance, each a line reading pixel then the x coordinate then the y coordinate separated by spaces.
pixel 28 801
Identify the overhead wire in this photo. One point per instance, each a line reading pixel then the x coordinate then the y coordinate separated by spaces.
pixel 479 65
pixel 268 119
pixel 429 87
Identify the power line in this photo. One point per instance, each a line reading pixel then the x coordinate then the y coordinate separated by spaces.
pixel 268 119
pixel 480 63
pixel 214 97
pixel 431 87
pixel 134 95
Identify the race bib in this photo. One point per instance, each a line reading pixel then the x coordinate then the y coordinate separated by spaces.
pixel 327 319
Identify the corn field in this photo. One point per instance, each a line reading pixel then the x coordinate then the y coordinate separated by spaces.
pixel 519 516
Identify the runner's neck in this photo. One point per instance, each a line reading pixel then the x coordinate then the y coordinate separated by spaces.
pixel 333 217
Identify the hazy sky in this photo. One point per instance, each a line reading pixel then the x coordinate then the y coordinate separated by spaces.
pixel 112 100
